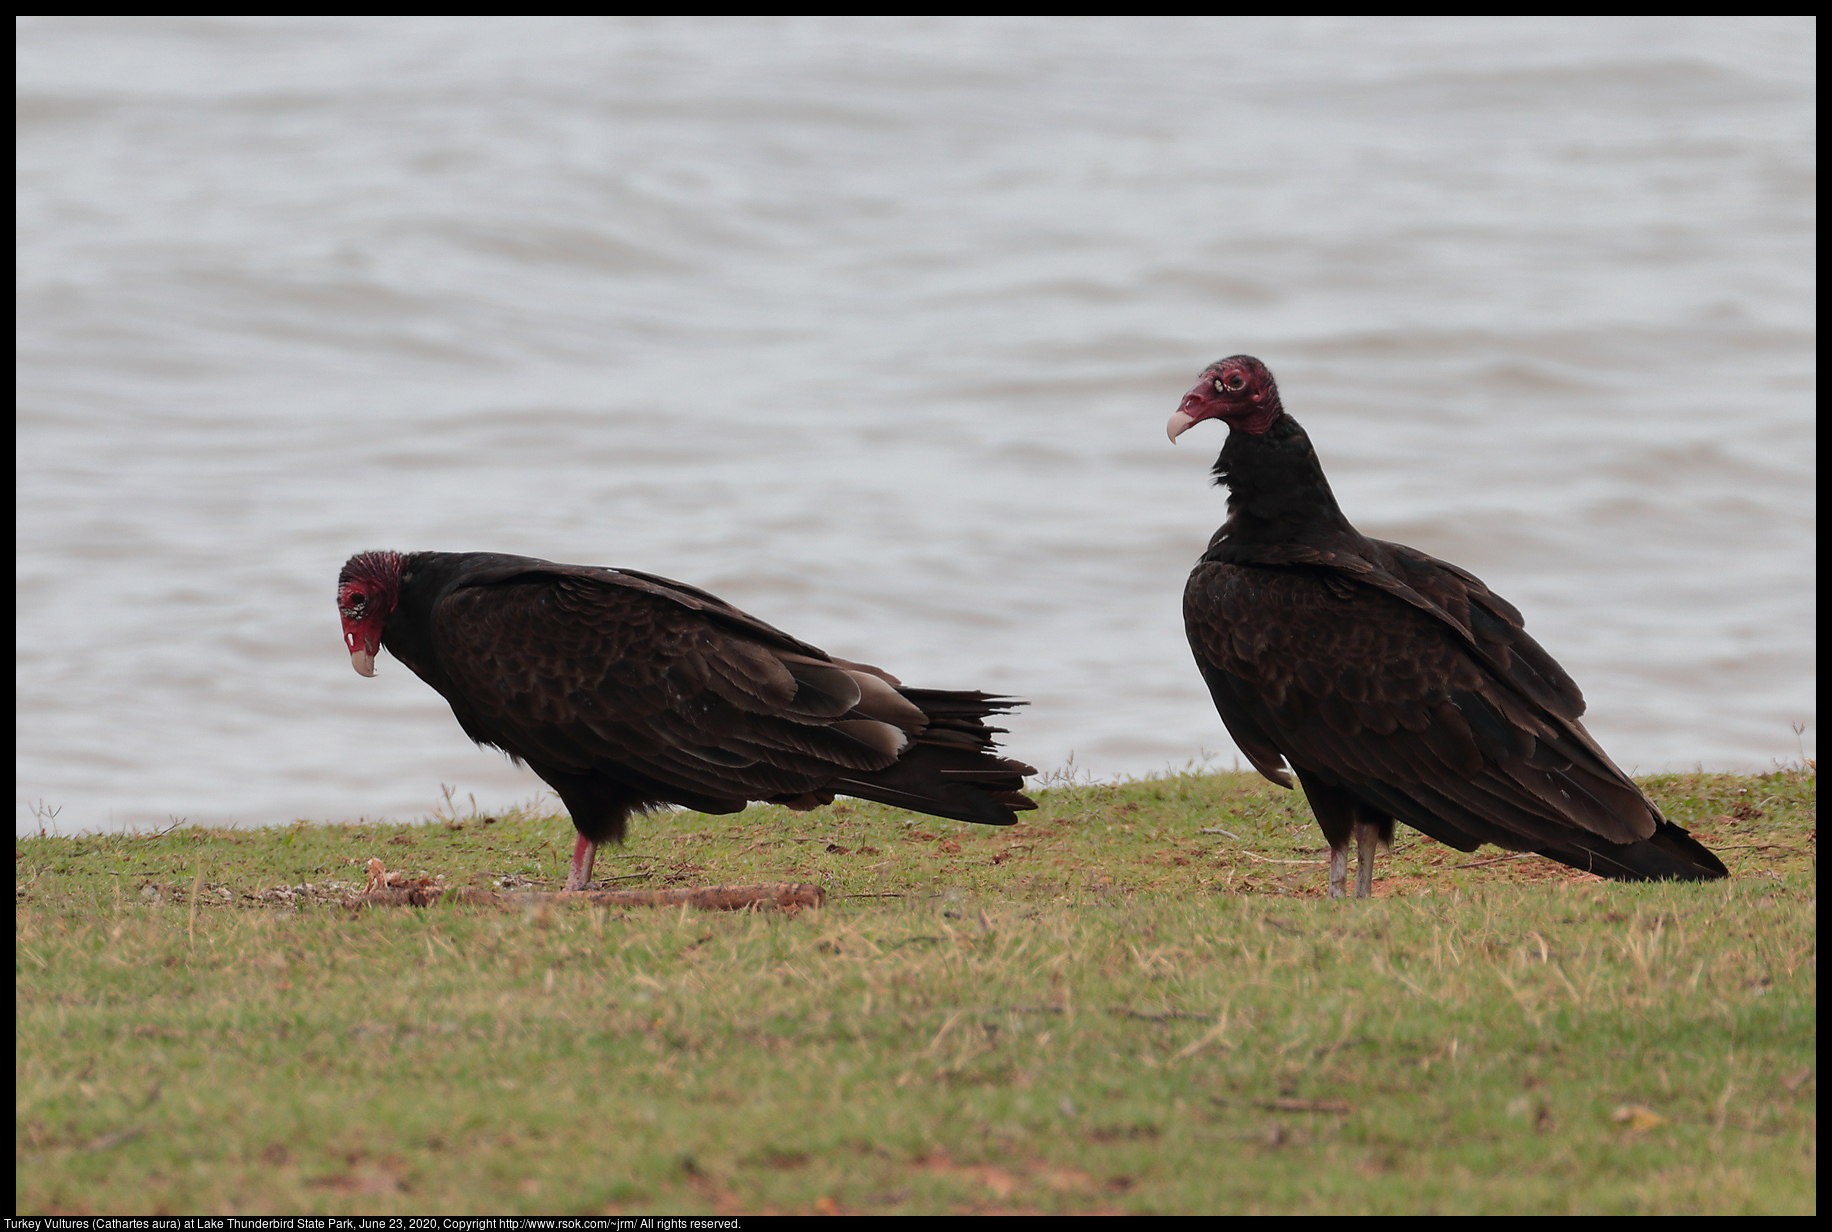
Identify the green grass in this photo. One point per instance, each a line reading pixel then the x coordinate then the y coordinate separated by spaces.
pixel 1100 1010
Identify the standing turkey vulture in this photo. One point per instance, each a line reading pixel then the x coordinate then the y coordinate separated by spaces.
pixel 1396 685
pixel 625 691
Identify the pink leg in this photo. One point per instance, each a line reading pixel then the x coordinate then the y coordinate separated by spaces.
pixel 584 853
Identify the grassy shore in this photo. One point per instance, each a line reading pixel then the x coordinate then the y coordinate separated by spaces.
pixel 1137 1001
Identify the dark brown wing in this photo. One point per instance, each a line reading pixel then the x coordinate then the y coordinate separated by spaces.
pixel 588 674
pixel 695 599
pixel 1405 682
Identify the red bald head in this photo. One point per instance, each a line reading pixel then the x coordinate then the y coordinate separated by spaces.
pixel 1237 390
pixel 367 590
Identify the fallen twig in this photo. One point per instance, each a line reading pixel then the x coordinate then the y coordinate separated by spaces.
pixel 1166 1016
pixel 1337 1106
pixel 784 896
pixel 1270 860
pixel 1760 847
pixel 1525 855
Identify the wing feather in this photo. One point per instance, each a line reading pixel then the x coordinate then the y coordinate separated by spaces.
pixel 580 671
pixel 1406 682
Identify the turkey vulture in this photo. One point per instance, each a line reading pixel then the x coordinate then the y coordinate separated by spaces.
pixel 1396 685
pixel 625 691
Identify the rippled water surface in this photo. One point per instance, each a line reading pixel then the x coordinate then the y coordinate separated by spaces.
pixel 872 327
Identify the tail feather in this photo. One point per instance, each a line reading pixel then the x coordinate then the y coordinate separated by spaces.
pixel 1678 844
pixel 967 704
pixel 988 794
pixel 952 768
pixel 1669 854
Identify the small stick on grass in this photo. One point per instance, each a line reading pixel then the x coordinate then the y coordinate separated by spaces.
pixel 784 896
pixel 1525 855
pixel 1337 1106
pixel 1269 860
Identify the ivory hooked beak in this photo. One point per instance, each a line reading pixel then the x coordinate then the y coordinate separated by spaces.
pixel 363 662
pixel 1179 423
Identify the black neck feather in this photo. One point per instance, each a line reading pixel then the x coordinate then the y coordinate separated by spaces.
pixel 1276 492
pixel 426 578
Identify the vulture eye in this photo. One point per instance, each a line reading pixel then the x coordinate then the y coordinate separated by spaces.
pixel 1236 381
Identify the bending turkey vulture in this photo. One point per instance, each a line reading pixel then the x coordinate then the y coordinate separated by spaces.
pixel 625 691
pixel 1396 685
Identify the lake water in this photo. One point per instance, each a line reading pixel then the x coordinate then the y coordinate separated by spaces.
pixel 871 326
